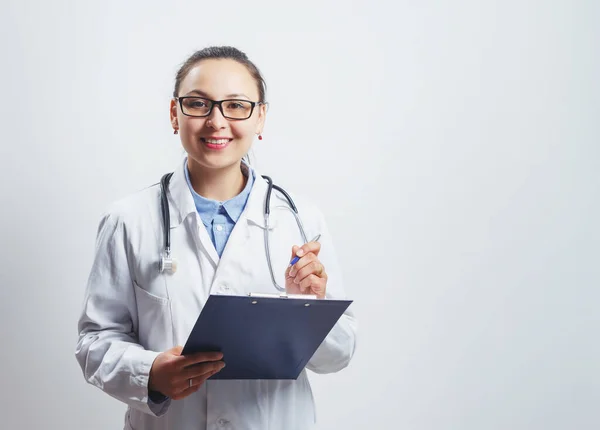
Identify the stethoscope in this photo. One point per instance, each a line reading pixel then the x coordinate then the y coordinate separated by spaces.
pixel 169 264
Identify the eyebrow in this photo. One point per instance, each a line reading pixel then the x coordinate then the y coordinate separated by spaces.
pixel 203 94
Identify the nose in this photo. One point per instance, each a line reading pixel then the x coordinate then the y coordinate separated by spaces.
pixel 216 119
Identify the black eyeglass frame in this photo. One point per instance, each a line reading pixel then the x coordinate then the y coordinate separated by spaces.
pixel 217 103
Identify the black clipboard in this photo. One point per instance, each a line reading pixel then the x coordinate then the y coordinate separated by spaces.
pixel 263 336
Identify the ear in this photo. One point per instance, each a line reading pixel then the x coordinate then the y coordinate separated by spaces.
pixel 262 116
pixel 173 114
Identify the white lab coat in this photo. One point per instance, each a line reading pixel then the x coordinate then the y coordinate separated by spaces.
pixel 131 312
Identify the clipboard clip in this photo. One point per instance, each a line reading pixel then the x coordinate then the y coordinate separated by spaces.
pixel 283 296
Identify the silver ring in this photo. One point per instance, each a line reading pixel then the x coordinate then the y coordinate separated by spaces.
pixel 190 380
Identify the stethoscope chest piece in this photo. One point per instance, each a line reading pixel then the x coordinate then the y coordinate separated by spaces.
pixel 167 263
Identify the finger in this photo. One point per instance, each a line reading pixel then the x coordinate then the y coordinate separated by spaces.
pixel 314 285
pixel 196 384
pixel 314 247
pixel 201 369
pixel 176 350
pixel 200 357
pixel 311 282
pixel 295 249
pixel 312 268
pixel 301 251
pixel 303 262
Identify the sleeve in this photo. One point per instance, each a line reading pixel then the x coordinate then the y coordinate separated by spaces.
pixel 107 349
pixel 336 351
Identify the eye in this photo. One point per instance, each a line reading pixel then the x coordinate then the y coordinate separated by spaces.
pixel 196 104
pixel 235 105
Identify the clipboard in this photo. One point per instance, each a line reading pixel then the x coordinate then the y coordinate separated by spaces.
pixel 263 336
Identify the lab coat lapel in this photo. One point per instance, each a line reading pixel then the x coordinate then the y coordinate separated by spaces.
pixel 250 223
pixel 181 205
pixel 254 211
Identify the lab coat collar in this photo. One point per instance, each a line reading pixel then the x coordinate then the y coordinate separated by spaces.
pixel 255 207
pixel 181 202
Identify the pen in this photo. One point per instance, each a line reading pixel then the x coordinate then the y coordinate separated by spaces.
pixel 296 258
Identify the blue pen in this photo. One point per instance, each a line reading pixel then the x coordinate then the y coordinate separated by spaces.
pixel 296 258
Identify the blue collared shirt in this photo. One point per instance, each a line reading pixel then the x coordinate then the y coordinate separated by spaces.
pixel 219 218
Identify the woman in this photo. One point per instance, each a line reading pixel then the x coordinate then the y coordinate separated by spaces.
pixel 135 317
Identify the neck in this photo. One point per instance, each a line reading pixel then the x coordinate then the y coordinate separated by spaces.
pixel 216 184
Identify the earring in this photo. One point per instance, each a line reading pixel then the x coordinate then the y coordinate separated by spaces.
pixel 175 131
pixel 260 137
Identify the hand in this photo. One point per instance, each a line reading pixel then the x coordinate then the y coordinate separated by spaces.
pixel 308 275
pixel 171 372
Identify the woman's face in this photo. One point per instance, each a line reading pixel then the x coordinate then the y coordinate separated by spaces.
pixel 215 142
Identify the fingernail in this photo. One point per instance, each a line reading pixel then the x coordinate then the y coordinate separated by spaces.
pixel 296 281
pixel 292 273
pixel 300 252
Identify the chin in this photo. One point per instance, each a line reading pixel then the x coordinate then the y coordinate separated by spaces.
pixel 215 161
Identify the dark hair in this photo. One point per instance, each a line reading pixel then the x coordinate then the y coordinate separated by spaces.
pixel 221 52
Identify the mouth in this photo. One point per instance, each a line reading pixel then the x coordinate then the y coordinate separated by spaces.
pixel 217 144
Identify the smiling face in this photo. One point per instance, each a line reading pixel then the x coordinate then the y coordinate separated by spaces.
pixel 215 142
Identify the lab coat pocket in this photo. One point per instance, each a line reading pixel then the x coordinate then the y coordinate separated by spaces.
pixel 127 423
pixel 133 420
pixel 155 325
pixel 311 406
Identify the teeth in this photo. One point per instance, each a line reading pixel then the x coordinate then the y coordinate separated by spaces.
pixel 217 141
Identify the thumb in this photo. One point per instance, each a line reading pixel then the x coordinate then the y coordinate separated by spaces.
pixel 295 249
pixel 176 350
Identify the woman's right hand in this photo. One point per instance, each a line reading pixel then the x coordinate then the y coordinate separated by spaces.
pixel 171 372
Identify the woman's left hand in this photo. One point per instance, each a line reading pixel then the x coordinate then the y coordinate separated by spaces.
pixel 308 275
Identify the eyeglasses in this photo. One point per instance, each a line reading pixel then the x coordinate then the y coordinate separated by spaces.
pixel 230 108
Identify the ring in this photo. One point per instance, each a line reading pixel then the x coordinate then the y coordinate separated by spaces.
pixel 190 380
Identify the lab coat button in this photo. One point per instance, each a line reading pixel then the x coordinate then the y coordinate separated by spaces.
pixel 219 227
pixel 222 422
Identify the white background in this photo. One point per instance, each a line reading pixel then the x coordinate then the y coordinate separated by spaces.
pixel 453 146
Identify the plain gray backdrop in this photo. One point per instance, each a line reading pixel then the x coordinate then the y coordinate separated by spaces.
pixel 452 145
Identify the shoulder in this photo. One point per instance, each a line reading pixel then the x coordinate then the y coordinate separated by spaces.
pixel 308 209
pixel 133 209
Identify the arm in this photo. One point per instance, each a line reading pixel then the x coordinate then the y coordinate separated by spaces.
pixel 108 350
pixel 336 351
